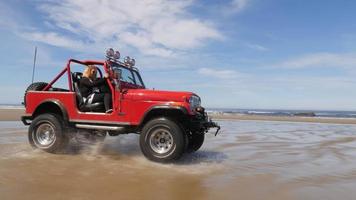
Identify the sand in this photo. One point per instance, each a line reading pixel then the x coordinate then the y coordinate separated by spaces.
pixel 15 115
pixel 248 160
pixel 11 114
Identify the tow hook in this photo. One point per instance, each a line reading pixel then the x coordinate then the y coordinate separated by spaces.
pixel 215 125
pixel 217 130
pixel 212 124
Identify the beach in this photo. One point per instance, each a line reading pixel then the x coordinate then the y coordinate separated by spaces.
pixel 11 114
pixel 249 159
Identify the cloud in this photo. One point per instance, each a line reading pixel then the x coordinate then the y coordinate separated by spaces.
pixel 8 17
pixel 239 5
pixel 54 39
pixel 219 73
pixel 257 47
pixel 320 60
pixel 154 27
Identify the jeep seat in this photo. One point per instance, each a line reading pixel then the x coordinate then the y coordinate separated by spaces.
pixel 83 105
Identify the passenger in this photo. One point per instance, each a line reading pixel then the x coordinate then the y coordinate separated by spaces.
pixel 89 85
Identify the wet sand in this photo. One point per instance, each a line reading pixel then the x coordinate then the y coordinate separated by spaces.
pixel 11 114
pixel 248 160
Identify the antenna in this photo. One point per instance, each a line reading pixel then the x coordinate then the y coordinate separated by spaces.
pixel 34 64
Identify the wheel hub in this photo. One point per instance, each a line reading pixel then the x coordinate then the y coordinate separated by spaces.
pixel 161 141
pixel 45 134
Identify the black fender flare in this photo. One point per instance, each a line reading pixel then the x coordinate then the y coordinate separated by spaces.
pixel 57 103
pixel 162 107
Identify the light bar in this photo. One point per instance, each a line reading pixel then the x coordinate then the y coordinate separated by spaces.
pixel 114 56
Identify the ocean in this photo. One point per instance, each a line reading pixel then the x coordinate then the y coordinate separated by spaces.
pixel 275 112
pixel 264 112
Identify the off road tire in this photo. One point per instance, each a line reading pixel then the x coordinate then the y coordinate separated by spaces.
pixel 46 132
pixel 162 140
pixel 195 141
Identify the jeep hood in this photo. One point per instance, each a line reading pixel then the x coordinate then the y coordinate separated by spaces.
pixel 157 95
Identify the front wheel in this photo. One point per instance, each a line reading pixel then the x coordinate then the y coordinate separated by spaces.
pixel 162 140
pixel 46 133
pixel 195 141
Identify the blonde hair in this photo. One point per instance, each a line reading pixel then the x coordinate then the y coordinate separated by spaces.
pixel 88 72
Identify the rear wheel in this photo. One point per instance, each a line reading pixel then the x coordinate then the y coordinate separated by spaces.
pixel 195 141
pixel 162 140
pixel 46 133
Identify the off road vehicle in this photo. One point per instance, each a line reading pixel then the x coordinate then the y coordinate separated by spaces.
pixel 169 123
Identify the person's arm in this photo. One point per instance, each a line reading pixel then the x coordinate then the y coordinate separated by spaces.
pixel 87 83
pixel 99 82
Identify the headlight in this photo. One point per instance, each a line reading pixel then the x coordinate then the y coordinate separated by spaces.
pixel 194 102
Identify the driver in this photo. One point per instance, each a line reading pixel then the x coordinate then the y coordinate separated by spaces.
pixel 88 88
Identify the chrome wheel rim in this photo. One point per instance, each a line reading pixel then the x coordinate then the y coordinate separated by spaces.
pixel 161 141
pixel 45 135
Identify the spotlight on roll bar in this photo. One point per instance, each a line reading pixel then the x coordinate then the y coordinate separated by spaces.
pixel 110 53
pixel 114 56
pixel 130 62
pixel 117 55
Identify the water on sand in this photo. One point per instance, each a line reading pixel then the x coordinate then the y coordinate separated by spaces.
pixel 248 160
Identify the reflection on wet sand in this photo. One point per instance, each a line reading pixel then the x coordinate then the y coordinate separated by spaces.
pixel 248 160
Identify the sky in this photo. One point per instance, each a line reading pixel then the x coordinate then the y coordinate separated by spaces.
pixel 275 54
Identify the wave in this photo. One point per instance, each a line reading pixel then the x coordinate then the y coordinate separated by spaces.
pixel 11 106
pixel 270 112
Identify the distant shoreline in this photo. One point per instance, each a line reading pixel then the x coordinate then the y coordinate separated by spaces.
pixel 327 120
pixel 14 114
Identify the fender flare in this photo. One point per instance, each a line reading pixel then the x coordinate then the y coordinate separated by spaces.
pixel 162 107
pixel 58 104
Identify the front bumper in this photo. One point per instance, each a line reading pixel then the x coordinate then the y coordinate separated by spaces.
pixel 210 124
pixel 202 123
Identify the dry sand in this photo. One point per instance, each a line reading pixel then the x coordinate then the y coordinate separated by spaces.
pixel 248 160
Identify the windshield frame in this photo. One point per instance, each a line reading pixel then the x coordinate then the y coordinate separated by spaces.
pixel 132 70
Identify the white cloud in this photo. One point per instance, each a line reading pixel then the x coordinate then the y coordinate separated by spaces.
pixel 55 40
pixel 238 5
pixel 320 60
pixel 257 47
pixel 154 27
pixel 219 73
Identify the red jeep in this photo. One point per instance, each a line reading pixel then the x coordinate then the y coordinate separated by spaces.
pixel 169 123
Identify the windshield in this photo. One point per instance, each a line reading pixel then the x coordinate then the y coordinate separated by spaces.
pixel 128 75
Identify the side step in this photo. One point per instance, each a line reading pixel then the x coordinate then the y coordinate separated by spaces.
pixel 99 127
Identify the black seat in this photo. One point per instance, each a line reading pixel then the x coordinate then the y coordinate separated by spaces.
pixel 83 105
